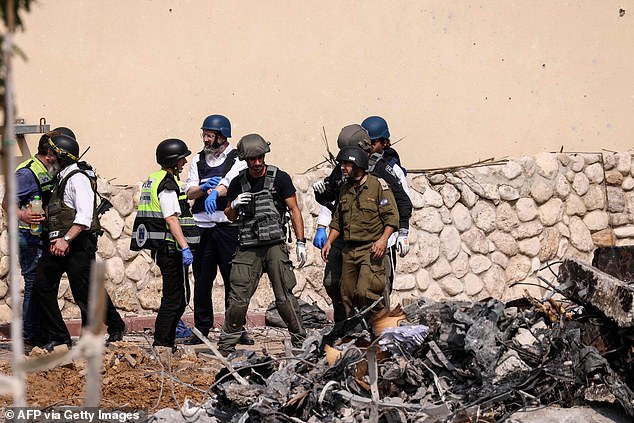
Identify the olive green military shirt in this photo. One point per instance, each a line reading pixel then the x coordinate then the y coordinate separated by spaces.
pixel 364 212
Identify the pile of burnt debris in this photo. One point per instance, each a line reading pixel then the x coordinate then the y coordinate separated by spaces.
pixel 454 361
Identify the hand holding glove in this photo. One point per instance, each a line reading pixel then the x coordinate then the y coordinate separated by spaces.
pixel 301 254
pixel 188 257
pixel 402 243
pixel 210 202
pixel 320 237
pixel 210 184
pixel 241 200
pixel 319 187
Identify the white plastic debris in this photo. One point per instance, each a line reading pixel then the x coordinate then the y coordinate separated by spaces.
pixel 403 338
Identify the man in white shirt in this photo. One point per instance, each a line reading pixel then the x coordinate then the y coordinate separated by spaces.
pixel 73 230
pixel 210 173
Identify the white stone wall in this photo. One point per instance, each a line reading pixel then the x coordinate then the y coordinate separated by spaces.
pixel 474 232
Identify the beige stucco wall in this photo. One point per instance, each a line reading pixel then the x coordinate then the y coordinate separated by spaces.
pixel 461 81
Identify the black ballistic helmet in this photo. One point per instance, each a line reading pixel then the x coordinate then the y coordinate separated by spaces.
pixel 251 146
pixel 43 146
pixel 170 151
pixel 64 146
pixel 66 131
pixel 354 154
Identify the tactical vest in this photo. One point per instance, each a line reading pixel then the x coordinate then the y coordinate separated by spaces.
pixel 61 216
pixel 42 178
pixel 392 158
pixel 150 231
pixel 260 221
pixel 205 172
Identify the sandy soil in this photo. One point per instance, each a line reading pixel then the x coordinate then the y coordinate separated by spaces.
pixel 133 376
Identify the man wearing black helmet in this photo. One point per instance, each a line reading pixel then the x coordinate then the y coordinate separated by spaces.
pixel 165 226
pixel 258 200
pixel 210 173
pixel 73 228
pixel 365 216
pixel 327 192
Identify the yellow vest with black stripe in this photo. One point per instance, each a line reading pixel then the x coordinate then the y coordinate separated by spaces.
pixel 150 231
pixel 42 178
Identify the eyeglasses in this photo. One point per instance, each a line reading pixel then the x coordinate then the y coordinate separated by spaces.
pixel 207 136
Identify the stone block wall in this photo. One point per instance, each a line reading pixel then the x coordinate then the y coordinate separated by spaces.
pixel 475 232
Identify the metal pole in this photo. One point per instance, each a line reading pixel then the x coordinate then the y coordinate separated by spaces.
pixel 96 313
pixel 17 343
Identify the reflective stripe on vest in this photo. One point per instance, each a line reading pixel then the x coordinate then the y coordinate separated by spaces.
pixel 150 231
pixel 42 179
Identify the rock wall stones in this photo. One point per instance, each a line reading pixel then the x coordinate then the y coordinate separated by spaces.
pixel 477 232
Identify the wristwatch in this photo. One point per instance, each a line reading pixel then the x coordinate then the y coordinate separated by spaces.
pixel 67 238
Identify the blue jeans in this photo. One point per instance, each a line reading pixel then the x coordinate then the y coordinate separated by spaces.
pixel 29 257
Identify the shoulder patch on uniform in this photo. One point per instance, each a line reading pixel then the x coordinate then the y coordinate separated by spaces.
pixel 384 184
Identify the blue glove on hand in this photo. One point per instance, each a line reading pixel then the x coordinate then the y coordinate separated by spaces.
pixel 188 257
pixel 210 184
pixel 210 202
pixel 320 238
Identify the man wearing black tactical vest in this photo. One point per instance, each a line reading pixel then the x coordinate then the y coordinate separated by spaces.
pixel 165 226
pixel 73 227
pixel 210 173
pixel 258 200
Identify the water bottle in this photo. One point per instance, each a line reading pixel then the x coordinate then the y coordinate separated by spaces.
pixel 36 207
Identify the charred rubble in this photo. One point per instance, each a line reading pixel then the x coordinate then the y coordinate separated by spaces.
pixel 455 361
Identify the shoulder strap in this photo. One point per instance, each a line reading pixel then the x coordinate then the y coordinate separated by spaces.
pixel 201 162
pixel 244 182
pixel 168 183
pixel 61 185
pixel 269 178
pixel 229 161
pixel 384 184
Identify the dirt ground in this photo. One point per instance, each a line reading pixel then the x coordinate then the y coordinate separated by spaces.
pixel 134 376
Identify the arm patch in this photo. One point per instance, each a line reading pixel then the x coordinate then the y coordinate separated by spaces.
pixel 384 184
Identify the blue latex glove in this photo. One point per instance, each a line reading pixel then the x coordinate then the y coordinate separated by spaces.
pixel 210 184
pixel 188 257
pixel 210 202
pixel 320 238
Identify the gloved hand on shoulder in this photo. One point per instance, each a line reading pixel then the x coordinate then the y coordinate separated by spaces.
pixel 402 242
pixel 188 257
pixel 241 200
pixel 320 237
pixel 301 254
pixel 211 183
pixel 210 202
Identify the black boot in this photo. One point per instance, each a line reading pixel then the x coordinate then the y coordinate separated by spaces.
pixel 115 336
pixel 192 340
pixel 245 339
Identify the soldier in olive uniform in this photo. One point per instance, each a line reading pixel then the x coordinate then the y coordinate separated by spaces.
pixel 258 199
pixel 366 216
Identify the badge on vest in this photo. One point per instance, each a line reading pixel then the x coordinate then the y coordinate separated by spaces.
pixel 140 235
